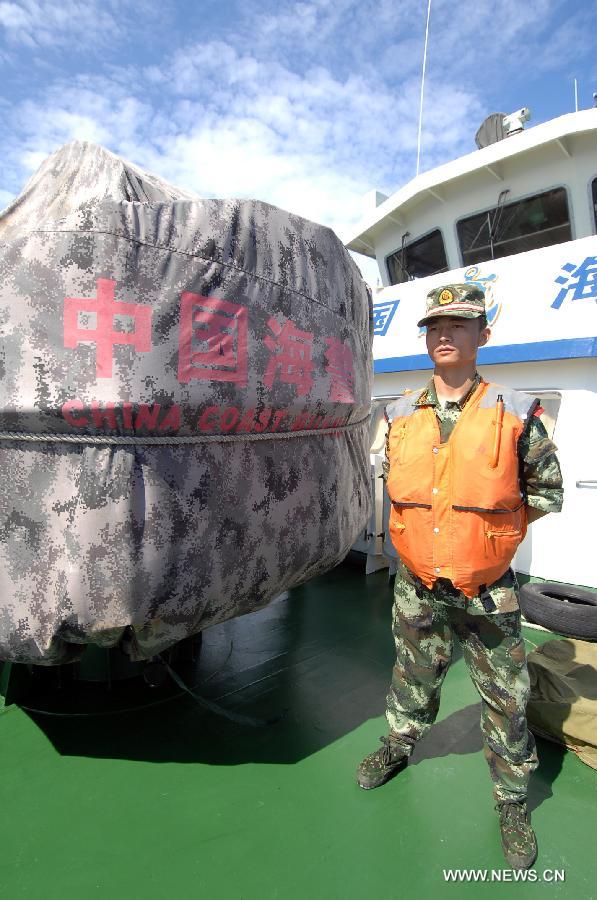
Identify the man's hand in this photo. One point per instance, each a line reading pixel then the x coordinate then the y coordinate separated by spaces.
pixel 533 514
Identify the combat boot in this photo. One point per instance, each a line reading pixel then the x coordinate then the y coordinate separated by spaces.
pixel 382 764
pixel 518 838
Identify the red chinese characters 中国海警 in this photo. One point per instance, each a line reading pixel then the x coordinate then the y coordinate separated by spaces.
pixel 106 307
pixel 340 366
pixel 212 340
pixel 291 357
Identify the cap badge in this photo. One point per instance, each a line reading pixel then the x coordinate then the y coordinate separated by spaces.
pixel 446 296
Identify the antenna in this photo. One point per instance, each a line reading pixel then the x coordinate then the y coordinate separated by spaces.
pixel 403 254
pixel 491 130
pixel 575 95
pixel 423 85
pixel 493 225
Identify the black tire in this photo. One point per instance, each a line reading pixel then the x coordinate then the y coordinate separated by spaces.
pixel 564 608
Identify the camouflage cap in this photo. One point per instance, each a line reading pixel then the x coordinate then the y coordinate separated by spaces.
pixel 466 300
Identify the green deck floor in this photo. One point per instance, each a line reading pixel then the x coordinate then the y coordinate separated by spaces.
pixel 173 802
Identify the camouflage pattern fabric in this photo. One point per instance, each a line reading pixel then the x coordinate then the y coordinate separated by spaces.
pixel 424 628
pixel 503 593
pixel 132 313
pixel 542 476
pixel 455 300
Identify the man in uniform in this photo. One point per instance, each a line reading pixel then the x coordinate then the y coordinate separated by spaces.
pixel 468 466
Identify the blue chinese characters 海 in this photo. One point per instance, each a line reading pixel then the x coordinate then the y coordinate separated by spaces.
pixel 580 282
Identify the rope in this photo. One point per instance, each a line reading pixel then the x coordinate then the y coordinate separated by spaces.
pixel 143 706
pixel 115 440
pixel 238 718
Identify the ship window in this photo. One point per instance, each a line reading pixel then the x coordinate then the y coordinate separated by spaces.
pixel 508 228
pixel 422 257
pixel 595 201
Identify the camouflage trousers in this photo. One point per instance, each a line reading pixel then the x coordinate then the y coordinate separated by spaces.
pixel 424 629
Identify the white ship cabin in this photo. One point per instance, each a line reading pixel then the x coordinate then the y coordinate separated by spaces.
pixel 518 216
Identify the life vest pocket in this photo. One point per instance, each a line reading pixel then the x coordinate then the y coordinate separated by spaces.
pixel 503 537
pixel 396 519
pixel 408 522
pixel 397 441
pixel 500 547
pixel 493 532
pixel 492 536
pixel 398 532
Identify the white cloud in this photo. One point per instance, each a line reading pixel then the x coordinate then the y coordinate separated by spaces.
pixel 221 122
pixel 307 107
pixel 13 17
pixel 300 21
pixel 45 23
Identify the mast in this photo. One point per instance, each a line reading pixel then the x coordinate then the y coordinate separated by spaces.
pixel 423 85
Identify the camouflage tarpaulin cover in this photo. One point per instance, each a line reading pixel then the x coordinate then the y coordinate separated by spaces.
pixel 134 318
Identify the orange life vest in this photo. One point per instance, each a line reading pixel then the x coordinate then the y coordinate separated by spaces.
pixel 457 508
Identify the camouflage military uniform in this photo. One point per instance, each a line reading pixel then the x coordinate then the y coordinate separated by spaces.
pixel 425 622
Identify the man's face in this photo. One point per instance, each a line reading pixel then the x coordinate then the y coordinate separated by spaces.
pixel 454 341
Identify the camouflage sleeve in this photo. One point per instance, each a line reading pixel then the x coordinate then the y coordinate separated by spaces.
pixel 541 477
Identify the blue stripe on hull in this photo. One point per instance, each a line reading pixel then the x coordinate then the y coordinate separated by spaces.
pixel 573 348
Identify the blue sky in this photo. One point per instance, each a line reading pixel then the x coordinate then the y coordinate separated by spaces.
pixel 307 105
